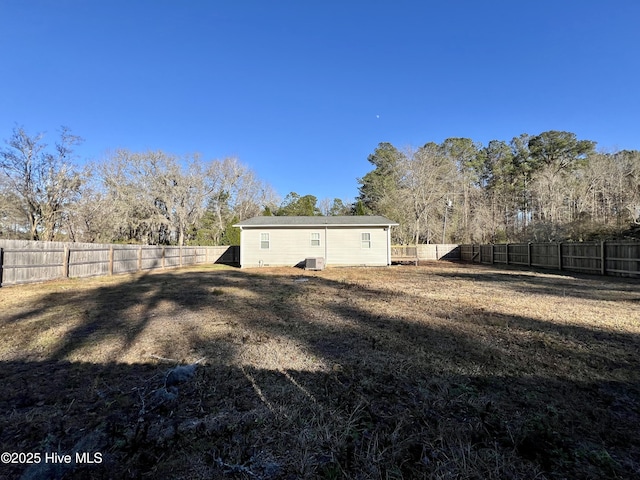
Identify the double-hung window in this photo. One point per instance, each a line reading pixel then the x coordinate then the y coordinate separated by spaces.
pixel 315 239
pixel 264 241
pixel 365 239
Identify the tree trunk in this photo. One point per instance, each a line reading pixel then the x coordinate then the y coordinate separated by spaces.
pixel 181 235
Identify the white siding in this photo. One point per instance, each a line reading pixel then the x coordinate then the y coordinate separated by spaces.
pixel 345 246
pixel 289 246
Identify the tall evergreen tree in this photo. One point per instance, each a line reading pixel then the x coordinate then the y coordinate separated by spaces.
pixel 382 181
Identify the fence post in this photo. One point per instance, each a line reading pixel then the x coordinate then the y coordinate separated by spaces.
pixel 111 260
pixel 559 255
pixel 529 254
pixel 65 262
pixel 163 256
pixel 507 253
pixel 139 258
pixel 1 264
pixel 180 254
pixel 493 248
pixel 603 258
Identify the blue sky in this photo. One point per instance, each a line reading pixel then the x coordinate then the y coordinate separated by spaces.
pixel 303 91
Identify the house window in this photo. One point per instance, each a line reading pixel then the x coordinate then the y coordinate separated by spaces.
pixel 264 241
pixel 366 240
pixel 315 239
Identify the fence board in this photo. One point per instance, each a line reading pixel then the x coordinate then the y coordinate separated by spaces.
pixel 519 254
pixel 583 257
pixel 28 266
pixel 500 253
pixel 623 257
pixel 89 263
pixel 544 255
pixel 125 259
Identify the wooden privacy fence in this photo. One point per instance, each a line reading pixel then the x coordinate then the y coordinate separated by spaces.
pixel 603 258
pixel 431 251
pixel 439 251
pixel 24 261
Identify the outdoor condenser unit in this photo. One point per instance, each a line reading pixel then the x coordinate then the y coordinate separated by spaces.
pixel 314 263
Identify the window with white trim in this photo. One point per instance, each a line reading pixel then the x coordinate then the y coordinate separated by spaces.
pixel 365 239
pixel 315 239
pixel 264 241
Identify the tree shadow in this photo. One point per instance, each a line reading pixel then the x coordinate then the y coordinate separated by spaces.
pixel 552 283
pixel 300 385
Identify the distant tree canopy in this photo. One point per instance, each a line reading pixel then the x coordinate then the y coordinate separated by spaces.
pixel 547 187
pixel 294 204
pixel 308 205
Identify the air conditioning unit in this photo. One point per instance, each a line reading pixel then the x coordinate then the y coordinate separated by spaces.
pixel 314 263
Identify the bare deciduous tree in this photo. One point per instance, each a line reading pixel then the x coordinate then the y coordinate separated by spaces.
pixel 426 177
pixel 161 198
pixel 43 183
pixel 236 195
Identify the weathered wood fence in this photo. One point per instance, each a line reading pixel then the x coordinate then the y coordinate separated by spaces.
pixel 432 251
pixel 603 258
pixel 24 261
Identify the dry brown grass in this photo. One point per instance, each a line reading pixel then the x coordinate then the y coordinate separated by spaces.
pixel 437 371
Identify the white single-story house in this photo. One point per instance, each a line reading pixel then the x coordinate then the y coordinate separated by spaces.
pixel 338 240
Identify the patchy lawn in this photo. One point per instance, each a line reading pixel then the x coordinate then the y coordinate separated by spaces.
pixel 438 371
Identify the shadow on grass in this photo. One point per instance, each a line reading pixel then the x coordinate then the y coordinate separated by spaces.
pixel 461 395
pixel 550 282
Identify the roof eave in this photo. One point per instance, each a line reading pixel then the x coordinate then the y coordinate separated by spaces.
pixel 307 225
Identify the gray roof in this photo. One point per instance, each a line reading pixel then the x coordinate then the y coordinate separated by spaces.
pixel 336 221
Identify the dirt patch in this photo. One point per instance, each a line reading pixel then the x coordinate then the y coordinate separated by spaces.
pixel 435 371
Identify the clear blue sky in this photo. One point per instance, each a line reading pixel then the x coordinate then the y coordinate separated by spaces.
pixel 303 91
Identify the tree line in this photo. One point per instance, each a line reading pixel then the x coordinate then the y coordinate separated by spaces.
pixel 547 187
pixel 151 197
